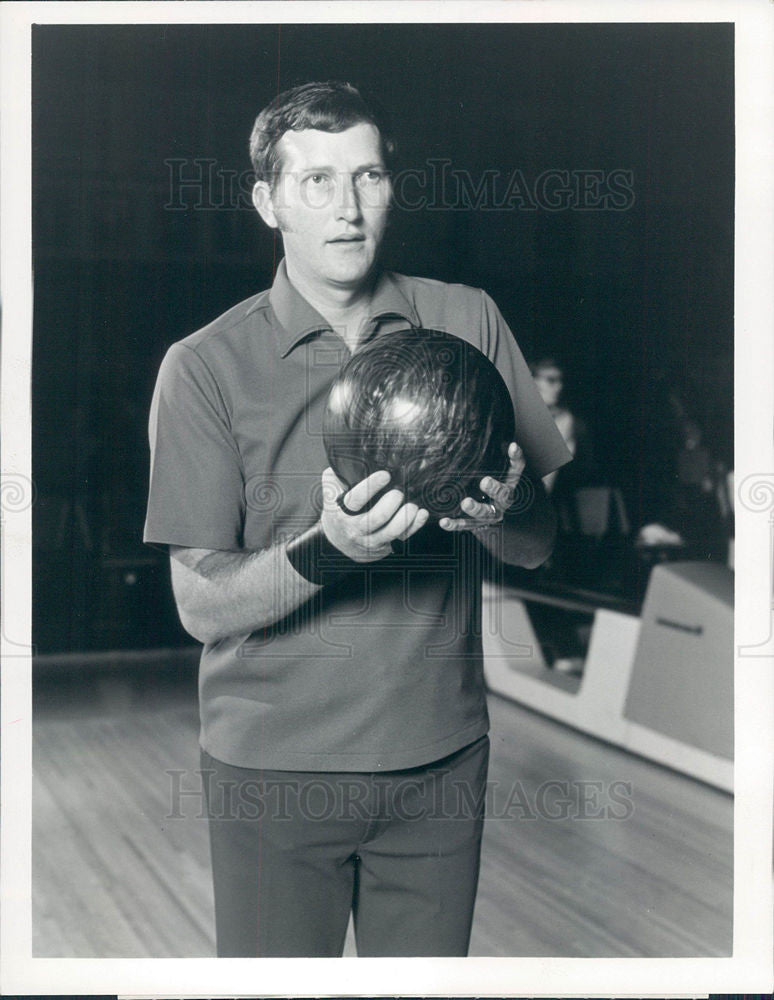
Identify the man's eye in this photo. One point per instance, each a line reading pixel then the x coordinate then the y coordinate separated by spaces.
pixel 317 180
pixel 370 178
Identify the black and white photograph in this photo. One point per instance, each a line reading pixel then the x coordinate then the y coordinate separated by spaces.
pixel 384 504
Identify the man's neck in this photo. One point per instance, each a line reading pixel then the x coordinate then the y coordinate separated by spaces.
pixel 345 309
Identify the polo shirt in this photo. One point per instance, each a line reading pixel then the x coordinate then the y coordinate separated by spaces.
pixel 382 668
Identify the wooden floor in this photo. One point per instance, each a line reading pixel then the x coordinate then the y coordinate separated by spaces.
pixel 618 857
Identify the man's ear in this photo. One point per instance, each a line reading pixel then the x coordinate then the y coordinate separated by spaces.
pixel 262 199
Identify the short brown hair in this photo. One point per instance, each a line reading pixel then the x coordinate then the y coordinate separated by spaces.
pixel 332 106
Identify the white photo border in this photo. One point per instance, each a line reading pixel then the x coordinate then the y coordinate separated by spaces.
pixel 750 967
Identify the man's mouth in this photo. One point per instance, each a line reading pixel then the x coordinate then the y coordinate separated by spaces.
pixel 355 238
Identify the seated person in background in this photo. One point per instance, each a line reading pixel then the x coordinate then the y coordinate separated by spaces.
pixel 692 512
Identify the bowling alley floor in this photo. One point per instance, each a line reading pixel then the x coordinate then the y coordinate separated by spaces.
pixel 588 850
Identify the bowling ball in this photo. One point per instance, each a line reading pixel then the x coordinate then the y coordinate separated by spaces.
pixel 428 407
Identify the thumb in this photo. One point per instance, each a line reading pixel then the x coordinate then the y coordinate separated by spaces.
pixel 516 459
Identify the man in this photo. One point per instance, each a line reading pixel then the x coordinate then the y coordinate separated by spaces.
pixel 341 689
pixel 549 379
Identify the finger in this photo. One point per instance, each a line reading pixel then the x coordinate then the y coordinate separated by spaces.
pixel 408 520
pixel 396 525
pixel 480 515
pixel 480 511
pixel 457 524
pixel 419 521
pixel 382 512
pixel 515 471
pixel 464 523
pixel 518 462
pixel 501 493
pixel 364 491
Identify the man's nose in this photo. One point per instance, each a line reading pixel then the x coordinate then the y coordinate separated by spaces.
pixel 348 200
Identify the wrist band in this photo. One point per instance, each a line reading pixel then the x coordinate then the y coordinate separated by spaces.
pixel 317 559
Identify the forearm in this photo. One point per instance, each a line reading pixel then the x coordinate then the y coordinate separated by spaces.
pixel 526 535
pixel 219 594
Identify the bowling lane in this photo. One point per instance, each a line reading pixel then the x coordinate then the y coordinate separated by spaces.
pixel 618 857
pixel 590 850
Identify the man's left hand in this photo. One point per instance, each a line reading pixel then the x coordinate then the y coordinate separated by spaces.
pixel 483 514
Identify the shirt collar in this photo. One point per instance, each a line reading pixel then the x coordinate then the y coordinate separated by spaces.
pixel 298 319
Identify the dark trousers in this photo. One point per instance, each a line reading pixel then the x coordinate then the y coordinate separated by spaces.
pixel 293 852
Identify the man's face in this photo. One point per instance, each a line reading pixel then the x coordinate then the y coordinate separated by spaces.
pixel 549 383
pixel 331 203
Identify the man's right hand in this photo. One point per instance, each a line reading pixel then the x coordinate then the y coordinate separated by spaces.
pixel 367 536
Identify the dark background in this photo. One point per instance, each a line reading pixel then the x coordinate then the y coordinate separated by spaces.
pixel 635 303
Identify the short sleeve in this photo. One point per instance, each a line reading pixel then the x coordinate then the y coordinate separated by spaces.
pixel 536 433
pixel 196 494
